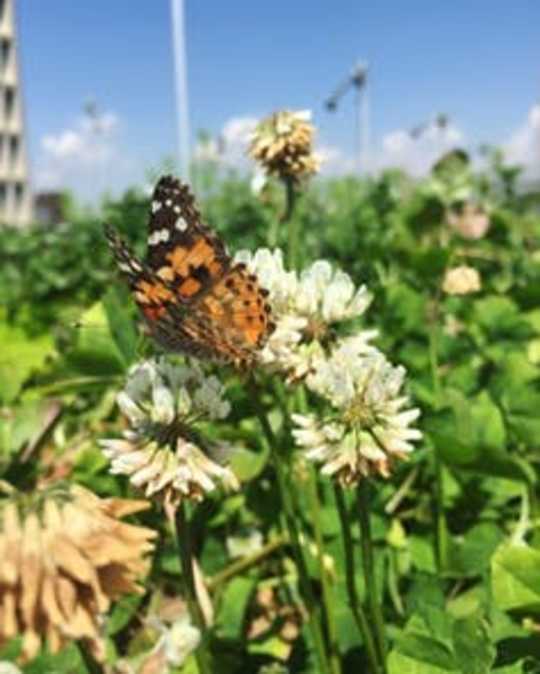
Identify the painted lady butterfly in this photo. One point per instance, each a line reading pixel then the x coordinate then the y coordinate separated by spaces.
pixel 193 297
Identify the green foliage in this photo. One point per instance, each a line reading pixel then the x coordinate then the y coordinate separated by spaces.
pixel 459 595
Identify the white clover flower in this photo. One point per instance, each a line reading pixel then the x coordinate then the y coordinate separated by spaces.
pixel 7 667
pixel 176 641
pixel 270 270
pixel 329 295
pixel 162 450
pixel 304 308
pixel 242 546
pixel 369 427
pixel 461 280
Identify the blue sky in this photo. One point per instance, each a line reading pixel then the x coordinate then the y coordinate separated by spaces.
pixel 478 62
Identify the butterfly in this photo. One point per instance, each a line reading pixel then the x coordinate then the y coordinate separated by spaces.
pixel 193 297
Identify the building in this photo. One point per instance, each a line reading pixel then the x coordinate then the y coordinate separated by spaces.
pixel 15 196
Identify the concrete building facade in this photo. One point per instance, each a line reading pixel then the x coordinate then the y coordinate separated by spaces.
pixel 16 203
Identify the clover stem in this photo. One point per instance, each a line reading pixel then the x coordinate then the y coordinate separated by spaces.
pixel 366 540
pixel 185 550
pixel 291 222
pixel 314 621
pixel 91 664
pixel 327 594
pixel 442 541
pixel 355 605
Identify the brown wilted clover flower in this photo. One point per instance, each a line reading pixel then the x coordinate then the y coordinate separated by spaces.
pixel 64 556
pixel 469 220
pixel 283 145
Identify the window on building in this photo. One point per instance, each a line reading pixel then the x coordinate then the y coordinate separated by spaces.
pixel 19 193
pixel 13 151
pixel 9 103
pixel 5 50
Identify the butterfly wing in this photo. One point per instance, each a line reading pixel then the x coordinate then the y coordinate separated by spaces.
pixel 181 249
pixel 194 299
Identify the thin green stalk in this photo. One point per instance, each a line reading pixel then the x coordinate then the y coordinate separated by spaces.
pixel 183 541
pixel 292 223
pixel 293 532
pixel 369 569
pixel 442 539
pixel 327 594
pixel 354 602
pixel 91 664
pixel 245 563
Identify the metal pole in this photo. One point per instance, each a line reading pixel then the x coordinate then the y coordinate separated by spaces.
pixel 365 126
pixel 359 131
pixel 180 73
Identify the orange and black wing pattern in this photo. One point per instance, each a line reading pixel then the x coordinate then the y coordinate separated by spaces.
pixel 194 299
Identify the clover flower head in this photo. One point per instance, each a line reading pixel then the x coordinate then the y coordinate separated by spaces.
pixel 66 555
pixel 162 451
pixel 248 544
pixel 368 428
pixel 462 280
pixel 470 221
pixel 283 145
pixel 9 668
pixel 327 296
pixel 176 641
pixel 305 306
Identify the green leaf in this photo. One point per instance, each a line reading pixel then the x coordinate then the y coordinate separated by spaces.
pixel 515 570
pixel 20 356
pixel 422 554
pixel 472 435
pixel 471 555
pixel 399 663
pixel 21 424
pixel 96 351
pixel 67 661
pixel 233 606
pixel 121 325
pixel 406 305
pixel 516 668
pixel 247 465
pixel 122 613
pixel 419 654
pixel 500 317
pixel 474 651
pixel 521 406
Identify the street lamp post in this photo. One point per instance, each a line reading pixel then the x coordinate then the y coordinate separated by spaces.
pixel 181 86
pixel 358 80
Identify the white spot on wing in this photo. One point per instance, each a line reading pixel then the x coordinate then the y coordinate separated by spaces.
pixel 123 266
pixel 168 202
pixel 176 209
pixel 156 205
pixel 159 235
pixel 181 224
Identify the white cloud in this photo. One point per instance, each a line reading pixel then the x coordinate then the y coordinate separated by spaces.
pixel 91 141
pixel 523 146
pixel 334 161
pixel 230 146
pixel 416 155
pixel 85 158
